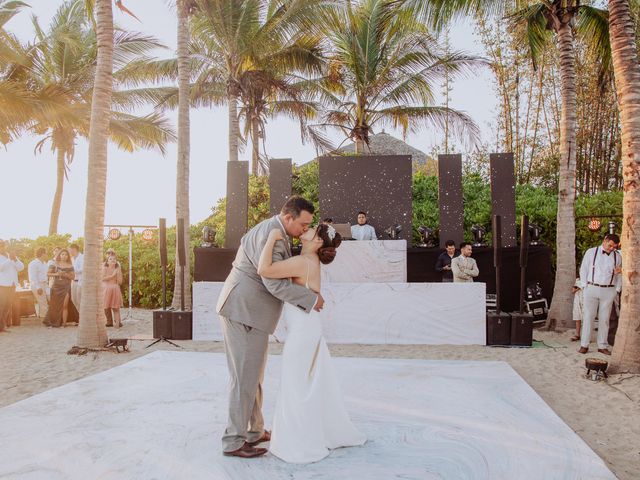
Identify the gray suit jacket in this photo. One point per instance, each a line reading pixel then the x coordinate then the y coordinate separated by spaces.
pixel 464 269
pixel 255 301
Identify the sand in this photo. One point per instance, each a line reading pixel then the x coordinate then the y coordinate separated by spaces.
pixel 605 414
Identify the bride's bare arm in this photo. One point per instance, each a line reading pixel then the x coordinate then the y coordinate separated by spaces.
pixel 291 267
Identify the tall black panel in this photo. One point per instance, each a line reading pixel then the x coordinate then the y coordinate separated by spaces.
pixel 377 184
pixel 237 202
pixel 450 198
pixel 503 195
pixel 279 183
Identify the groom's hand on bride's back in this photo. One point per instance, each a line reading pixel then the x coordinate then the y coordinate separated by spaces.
pixel 319 303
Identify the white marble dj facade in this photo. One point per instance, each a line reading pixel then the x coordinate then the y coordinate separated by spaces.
pixel 161 417
pixel 377 313
pixel 377 261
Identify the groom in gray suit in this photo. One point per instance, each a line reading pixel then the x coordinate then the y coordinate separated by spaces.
pixel 249 307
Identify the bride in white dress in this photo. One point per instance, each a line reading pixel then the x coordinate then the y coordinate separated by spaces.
pixel 310 417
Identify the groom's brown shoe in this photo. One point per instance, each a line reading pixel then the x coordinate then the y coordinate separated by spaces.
pixel 266 436
pixel 246 451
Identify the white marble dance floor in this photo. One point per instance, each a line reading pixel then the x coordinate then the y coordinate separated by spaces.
pixel 161 416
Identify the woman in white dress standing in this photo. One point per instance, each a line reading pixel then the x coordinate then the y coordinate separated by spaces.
pixel 310 417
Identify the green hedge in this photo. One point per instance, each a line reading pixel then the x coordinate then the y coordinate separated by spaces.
pixel 539 203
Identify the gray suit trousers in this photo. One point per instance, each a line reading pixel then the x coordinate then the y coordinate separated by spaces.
pixel 246 350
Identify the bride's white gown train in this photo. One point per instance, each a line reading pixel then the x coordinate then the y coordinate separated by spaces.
pixel 310 417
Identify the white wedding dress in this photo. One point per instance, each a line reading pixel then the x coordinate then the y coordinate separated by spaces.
pixel 310 416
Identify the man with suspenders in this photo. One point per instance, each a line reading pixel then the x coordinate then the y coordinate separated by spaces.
pixel 601 282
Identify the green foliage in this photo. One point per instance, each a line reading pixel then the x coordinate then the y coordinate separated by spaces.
pixel 425 203
pixel 306 182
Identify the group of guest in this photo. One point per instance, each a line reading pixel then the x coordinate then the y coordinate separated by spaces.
pixel 56 285
pixel 595 292
pixel 457 266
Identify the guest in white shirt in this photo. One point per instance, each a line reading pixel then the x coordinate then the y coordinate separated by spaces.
pixel 463 267
pixel 77 259
pixel 363 231
pixel 39 281
pixel 10 265
pixel 601 282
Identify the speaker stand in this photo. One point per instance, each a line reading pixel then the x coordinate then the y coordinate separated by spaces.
pixel 163 339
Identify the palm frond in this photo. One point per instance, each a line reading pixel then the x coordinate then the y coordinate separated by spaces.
pixel 593 28
pixel 536 33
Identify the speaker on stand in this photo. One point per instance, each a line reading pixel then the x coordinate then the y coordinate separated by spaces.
pixel 163 319
pixel 498 322
pixel 521 321
pixel 181 320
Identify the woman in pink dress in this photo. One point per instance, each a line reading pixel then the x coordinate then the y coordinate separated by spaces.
pixel 111 280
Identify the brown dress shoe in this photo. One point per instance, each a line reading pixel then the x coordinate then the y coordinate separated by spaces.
pixel 246 451
pixel 266 436
pixel 604 351
pixel 583 350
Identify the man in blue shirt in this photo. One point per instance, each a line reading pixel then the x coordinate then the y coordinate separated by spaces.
pixel 363 231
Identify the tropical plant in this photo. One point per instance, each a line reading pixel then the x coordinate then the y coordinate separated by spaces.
pixel 17 105
pixel 383 66
pixel 253 56
pixel 626 351
pixel 61 65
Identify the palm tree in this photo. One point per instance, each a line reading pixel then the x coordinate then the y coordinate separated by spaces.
pixel 234 40
pixel 184 8
pixel 626 352
pixel 61 64
pixel 542 22
pixel 276 84
pixel 382 66
pixel 92 331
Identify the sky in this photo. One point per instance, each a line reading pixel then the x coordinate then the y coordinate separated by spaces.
pixel 141 186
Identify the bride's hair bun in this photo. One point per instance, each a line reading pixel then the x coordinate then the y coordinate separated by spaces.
pixel 327 252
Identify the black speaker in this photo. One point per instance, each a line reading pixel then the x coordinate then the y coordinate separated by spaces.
pixel 182 325
pixel 496 227
pixel 180 240
pixel 524 241
pixel 521 329
pixel 162 324
pixel 498 328
pixel 163 242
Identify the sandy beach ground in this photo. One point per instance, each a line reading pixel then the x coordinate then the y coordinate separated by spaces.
pixel 605 414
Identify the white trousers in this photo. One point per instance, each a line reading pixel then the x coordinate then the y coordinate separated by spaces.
pixel 76 290
pixel 596 301
pixel 42 303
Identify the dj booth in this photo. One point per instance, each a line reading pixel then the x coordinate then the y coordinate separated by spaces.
pixel 214 264
pixel 381 292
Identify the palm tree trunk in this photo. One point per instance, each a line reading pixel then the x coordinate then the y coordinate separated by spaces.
pixel 359 144
pixel 234 127
pixel 255 146
pixel 182 176
pixel 92 332
pixel 560 312
pixel 626 352
pixel 57 198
